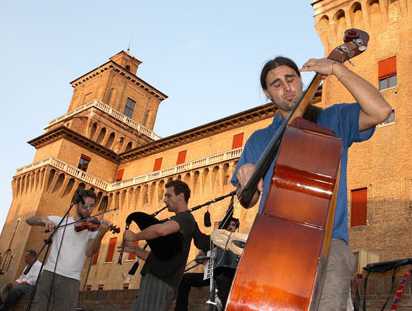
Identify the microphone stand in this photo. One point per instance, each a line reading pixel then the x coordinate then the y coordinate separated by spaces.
pixel 213 301
pixel 46 245
pixel 217 199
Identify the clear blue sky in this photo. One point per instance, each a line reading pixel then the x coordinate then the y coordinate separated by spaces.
pixel 205 55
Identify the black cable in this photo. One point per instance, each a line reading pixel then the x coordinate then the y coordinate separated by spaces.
pixel 395 270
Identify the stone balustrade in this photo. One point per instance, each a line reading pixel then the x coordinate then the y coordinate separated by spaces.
pixel 110 111
pixel 67 168
pixel 106 186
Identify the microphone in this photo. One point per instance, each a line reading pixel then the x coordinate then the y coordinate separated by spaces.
pixel 206 219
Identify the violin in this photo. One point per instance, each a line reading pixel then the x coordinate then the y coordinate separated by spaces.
pixel 92 224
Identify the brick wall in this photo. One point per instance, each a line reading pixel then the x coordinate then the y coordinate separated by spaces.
pixel 120 300
pixel 378 289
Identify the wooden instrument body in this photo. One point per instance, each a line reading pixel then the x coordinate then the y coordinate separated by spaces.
pixel 285 258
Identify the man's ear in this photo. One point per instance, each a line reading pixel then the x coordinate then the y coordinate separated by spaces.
pixel 267 95
pixel 181 196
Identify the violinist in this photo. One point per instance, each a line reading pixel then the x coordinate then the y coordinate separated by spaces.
pixel 282 84
pixel 58 287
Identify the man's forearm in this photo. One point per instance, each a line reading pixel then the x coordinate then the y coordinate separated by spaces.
pixel 94 245
pixel 149 233
pixel 36 221
pixel 370 99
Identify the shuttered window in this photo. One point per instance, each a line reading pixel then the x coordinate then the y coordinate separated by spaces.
pixel 84 162
pixel 111 249
pixel 237 141
pixel 157 164
pixel 387 73
pixel 119 174
pixel 129 108
pixel 95 257
pixel 359 203
pixel 181 157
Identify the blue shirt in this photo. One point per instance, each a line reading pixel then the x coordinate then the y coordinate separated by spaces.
pixel 343 120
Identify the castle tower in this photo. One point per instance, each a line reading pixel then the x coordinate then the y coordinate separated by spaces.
pixel 99 144
pixel 379 171
pixel 112 111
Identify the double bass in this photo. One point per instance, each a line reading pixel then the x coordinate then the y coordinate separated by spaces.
pixel 284 261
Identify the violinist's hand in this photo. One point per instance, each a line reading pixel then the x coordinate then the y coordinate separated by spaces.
pixel 49 225
pixel 243 175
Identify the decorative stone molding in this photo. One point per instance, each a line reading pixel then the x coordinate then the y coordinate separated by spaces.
pixel 112 187
pixel 110 111
pixel 217 158
pixel 130 76
pixel 64 132
pixel 233 121
pixel 67 168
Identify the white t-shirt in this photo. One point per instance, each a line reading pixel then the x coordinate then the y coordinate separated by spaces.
pixel 30 277
pixel 73 250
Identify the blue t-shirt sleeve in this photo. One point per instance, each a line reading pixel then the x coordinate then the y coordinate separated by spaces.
pixel 249 155
pixel 343 119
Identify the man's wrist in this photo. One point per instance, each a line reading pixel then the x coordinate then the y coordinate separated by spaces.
pixel 100 234
pixel 338 70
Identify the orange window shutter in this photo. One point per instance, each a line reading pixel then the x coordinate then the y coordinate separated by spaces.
pixel 111 249
pixel 157 164
pixel 237 141
pixel 359 203
pixel 181 157
pixel 132 256
pixel 119 174
pixel 387 67
pixel 95 257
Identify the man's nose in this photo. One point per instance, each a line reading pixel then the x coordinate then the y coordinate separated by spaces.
pixel 286 86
